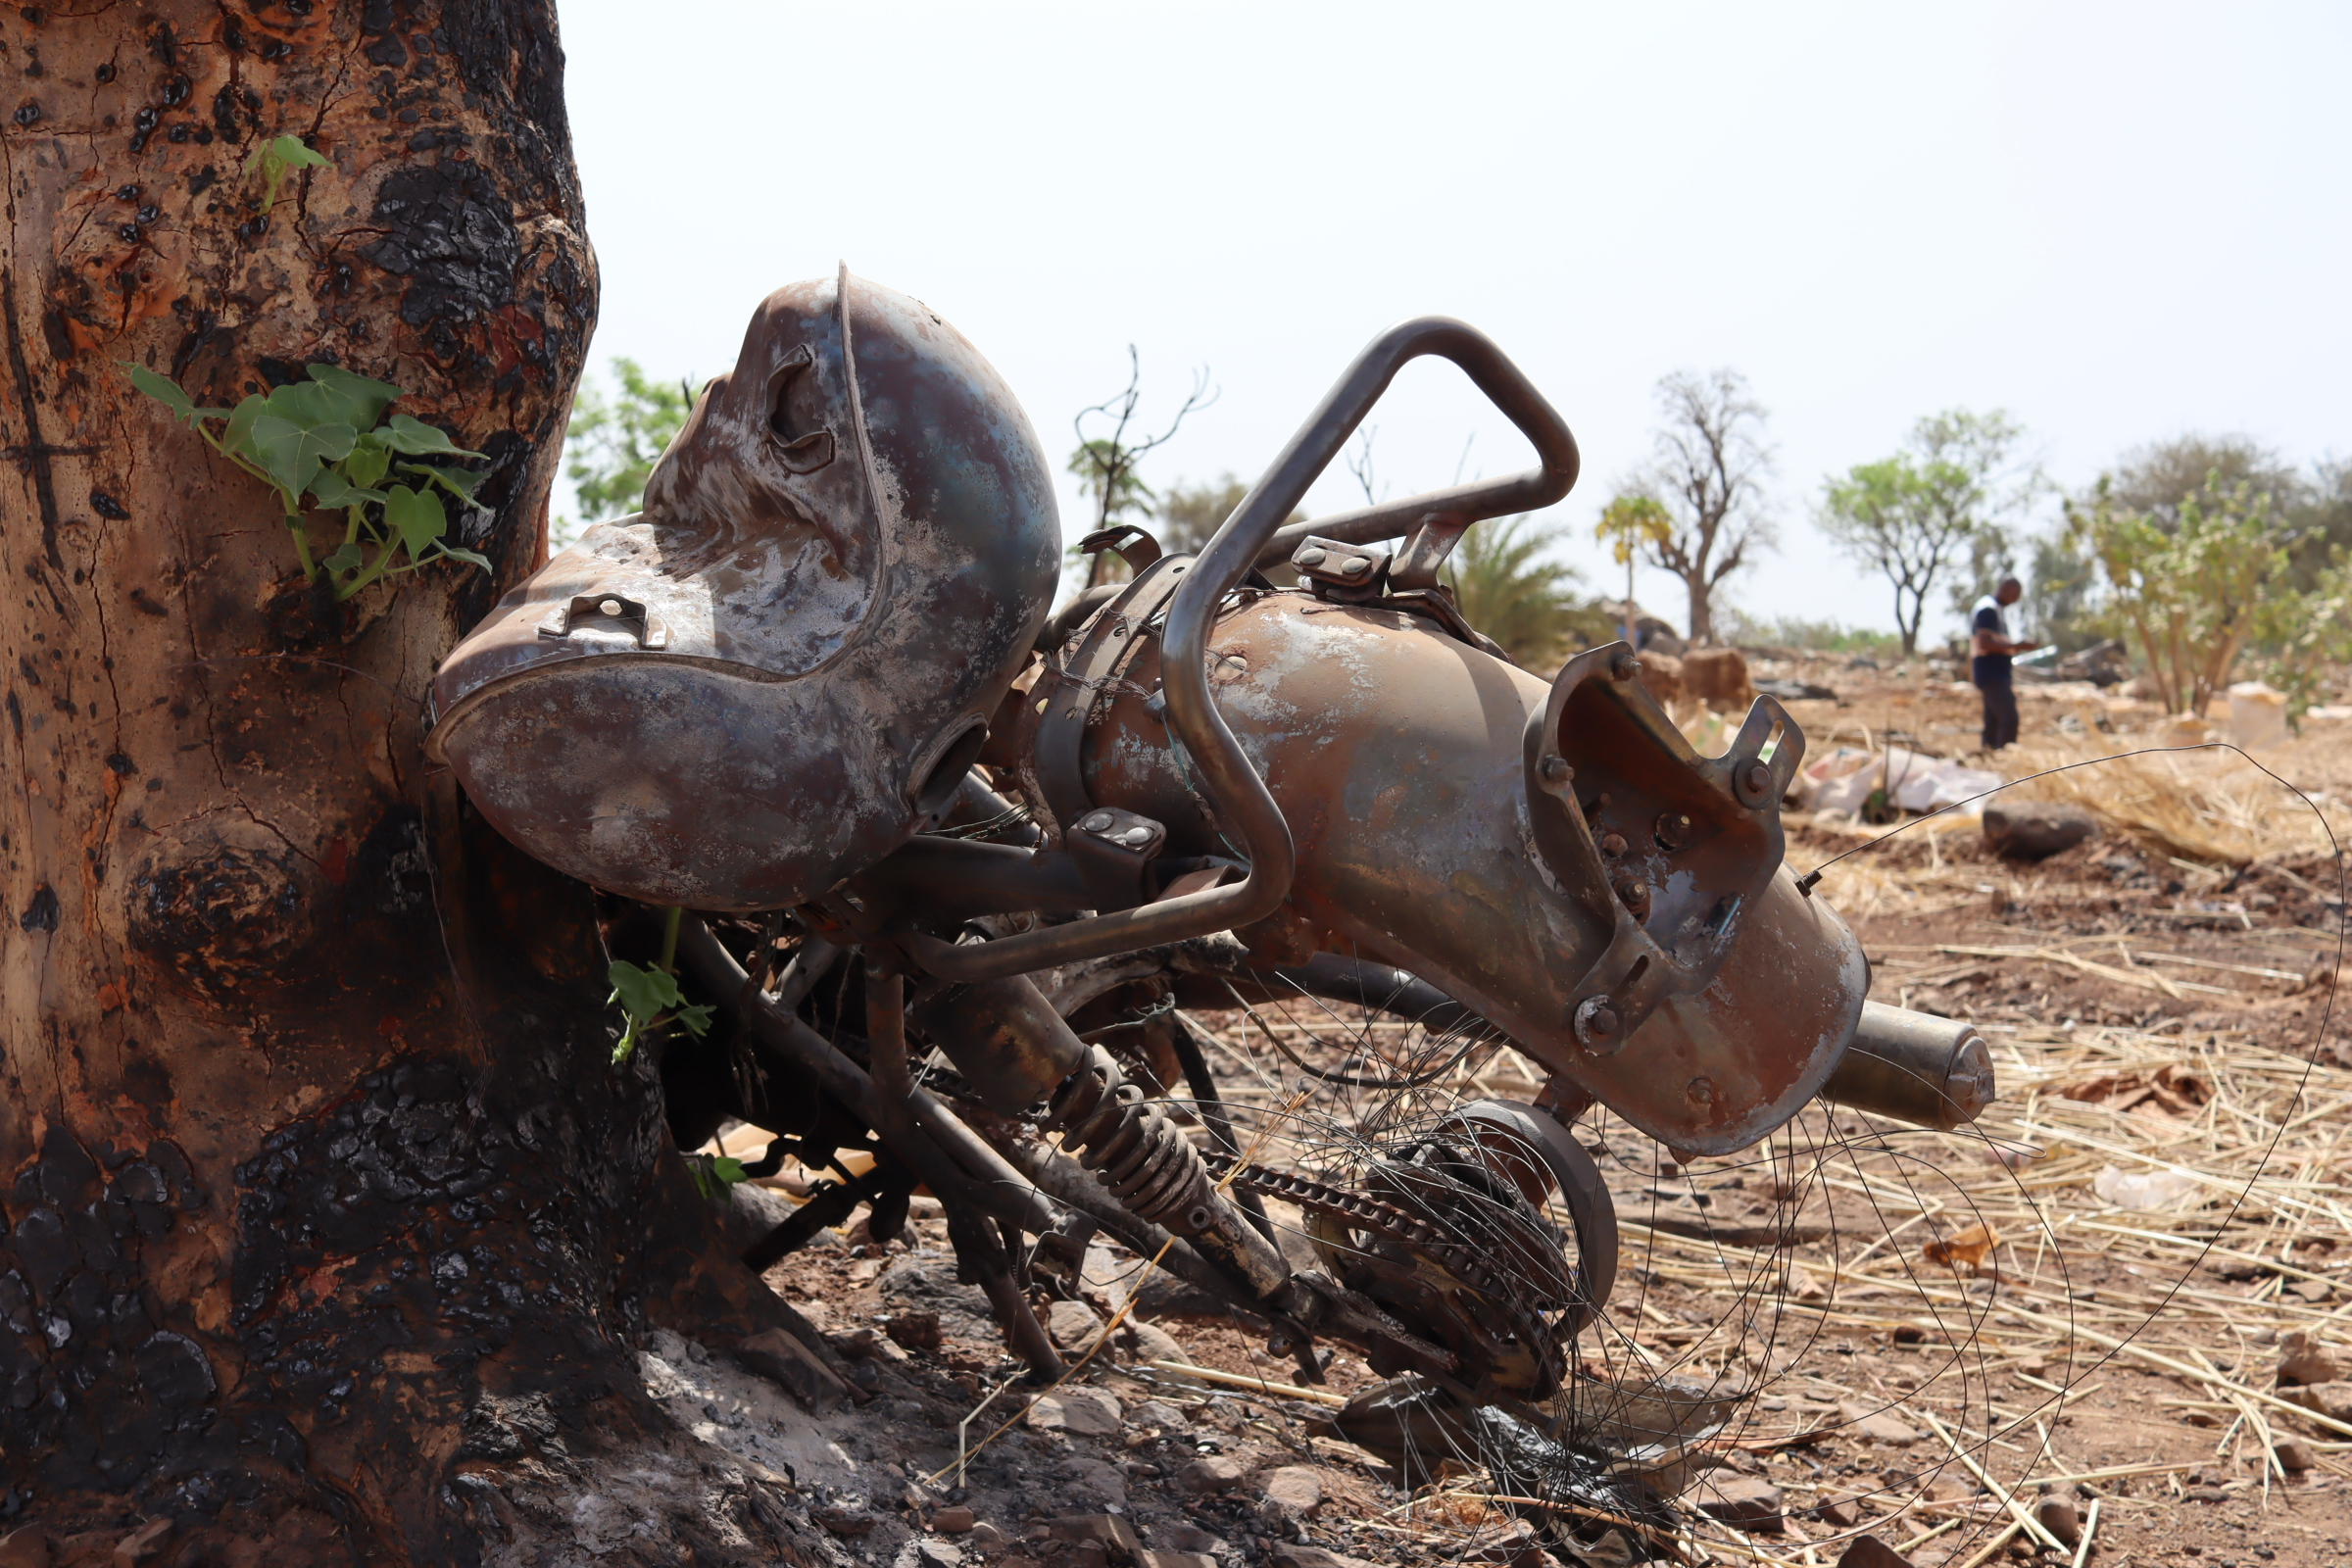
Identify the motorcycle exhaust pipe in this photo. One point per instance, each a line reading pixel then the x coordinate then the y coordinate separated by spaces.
pixel 1915 1067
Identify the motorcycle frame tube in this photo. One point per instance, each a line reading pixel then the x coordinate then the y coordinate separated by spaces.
pixel 1224 772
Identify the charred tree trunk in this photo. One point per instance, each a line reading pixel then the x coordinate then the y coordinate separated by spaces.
pixel 325 1218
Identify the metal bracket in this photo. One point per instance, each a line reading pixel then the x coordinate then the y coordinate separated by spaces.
pixel 1425 550
pixel 608 610
pixel 1335 570
pixel 1114 851
pixel 1070 688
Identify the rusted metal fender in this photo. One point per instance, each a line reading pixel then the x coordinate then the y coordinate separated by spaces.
pixel 783 667
pixel 1401 759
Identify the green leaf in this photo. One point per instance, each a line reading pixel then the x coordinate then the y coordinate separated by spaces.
pixel 453 552
pixel 369 462
pixel 309 405
pixel 643 994
pixel 347 557
pixel 367 399
pixel 333 489
pixel 238 437
pixel 695 1020
pixel 290 151
pixel 459 482
pixel 727 1168
pixel 416 517
pixel 164 390
pixel 293 455
pixel 419 439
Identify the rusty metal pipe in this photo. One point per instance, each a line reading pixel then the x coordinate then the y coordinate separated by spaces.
pixel 1915 1067
pixel 1221 770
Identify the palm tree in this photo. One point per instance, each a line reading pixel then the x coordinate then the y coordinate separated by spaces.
pixel 1508 591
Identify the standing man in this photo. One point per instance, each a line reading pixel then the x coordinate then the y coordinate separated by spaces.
pixel 1991 646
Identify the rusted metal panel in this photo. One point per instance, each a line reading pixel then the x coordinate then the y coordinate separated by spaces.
pixel 1398 757
pixel 782 668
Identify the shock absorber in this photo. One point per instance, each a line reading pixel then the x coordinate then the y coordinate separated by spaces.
pixel 1154 1171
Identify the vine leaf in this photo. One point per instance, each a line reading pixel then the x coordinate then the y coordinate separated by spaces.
pixel 333 488
pixel 419 439
pixel 365 400
pixel 293 454
pixel 163 390
pixel 418 518
pixel 643 994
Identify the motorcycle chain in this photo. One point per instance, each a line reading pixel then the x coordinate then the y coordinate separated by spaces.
pixel 1526 1318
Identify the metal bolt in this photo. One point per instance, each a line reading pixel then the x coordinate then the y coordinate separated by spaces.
pixel 1625 666
pixel 1701 1091
pixel 1096 822
pixel 1308 558
pixel 1356 563
pixel 611 606
pixel 1612 845
pixel 1633 891
pixel 1599 1017
pixel 1136 837
pixel 1673 829
pixel 1755 779
pixel 1555 771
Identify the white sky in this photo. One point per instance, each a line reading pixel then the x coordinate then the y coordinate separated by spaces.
pixel 2119 222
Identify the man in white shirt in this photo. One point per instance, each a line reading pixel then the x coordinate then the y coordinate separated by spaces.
pixel 1991 648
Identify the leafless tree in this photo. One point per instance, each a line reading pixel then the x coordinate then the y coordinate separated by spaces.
pixel 1707 468
pixel 1107 465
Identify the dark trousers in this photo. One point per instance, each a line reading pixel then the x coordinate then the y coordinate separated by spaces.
pixel 2000 714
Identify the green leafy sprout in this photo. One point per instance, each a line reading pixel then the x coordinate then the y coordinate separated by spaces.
pixel 713 1174
pixel 328 439
pixel 650 999
pixel 274 160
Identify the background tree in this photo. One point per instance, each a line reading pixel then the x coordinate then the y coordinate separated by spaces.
pixel 614 439
pixel 1628 525
pixel 1190 513
pixel 328 1223
pixel 2195 587
pixel 1106 464
pixel 1707 469
pixel 1911 515
pixel 1509 590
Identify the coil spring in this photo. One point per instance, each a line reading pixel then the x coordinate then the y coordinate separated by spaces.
pixel 1135 1150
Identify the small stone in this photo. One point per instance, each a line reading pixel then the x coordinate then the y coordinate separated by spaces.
pixel 2295 1458
pixel 1840 1512
pixel 1072 1323
pixel 1210 1473
pixel 1161 1414
pixel 2302 1358
pixel 844 1521
pixel 939 1554
pixel 1186 1536
pixel 1872 1424
pixel 143 1544
pixel 2055 1511
pixel 1291 1493
pixel 1869 1551
pixel 953 1521
pixel 1156 1343
pixel 917 1331
pixel 26 1546
pixel 1080 1412
pixel 1744 1502
pixel 1302 1555
pixel 2034 830
pixel 1152 1557
pixel 1103 1531
pixel 2330 1400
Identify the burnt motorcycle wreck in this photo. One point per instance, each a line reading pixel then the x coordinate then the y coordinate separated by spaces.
pixel 955 869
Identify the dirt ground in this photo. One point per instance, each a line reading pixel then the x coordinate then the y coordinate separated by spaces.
pixel 2082 1298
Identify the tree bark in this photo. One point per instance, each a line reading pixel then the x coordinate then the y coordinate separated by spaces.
pixel 326 1221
